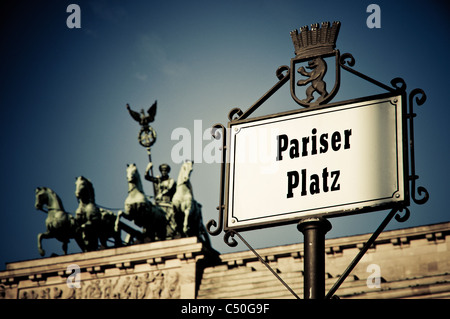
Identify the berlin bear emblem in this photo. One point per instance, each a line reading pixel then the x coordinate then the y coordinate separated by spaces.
pixel 318 69
pixel 313 47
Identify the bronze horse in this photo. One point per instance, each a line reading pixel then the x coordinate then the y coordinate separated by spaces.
pixel 60 224
pixel 188 211
pixel 96 223
pixel 141 211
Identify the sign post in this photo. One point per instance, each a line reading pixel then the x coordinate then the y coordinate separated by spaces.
pixel 314 230
pixel 325 160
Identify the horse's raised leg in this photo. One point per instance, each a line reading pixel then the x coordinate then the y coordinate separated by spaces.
pixel 187 212
pixel 40 237
pixel 116 224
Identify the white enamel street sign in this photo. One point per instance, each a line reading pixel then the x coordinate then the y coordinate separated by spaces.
pixel 336 160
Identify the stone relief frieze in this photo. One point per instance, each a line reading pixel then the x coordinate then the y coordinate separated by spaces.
pixel 163 284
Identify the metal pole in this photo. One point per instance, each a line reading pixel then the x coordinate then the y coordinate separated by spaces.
pixel 151 169
pixel 314 230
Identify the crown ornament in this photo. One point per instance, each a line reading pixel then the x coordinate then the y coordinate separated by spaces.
pixel 320 40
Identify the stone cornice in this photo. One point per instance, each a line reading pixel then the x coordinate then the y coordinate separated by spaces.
pixel 434 232
pixel 97 261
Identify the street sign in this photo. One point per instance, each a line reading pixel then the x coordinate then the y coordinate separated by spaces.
pixel 322 161
pixel 337 159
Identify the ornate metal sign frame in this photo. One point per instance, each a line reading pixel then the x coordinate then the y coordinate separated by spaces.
pixel 310 45
pixel 290 210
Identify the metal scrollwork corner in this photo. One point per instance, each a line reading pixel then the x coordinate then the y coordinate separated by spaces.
pixel 343 60
pixel 235 114
pixel 228 238
pixel 212 223
pixel 405 217
pixel 280 70
pixel 418 96
pixel 399 85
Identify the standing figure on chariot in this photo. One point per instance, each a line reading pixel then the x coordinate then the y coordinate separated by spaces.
pixel 165 186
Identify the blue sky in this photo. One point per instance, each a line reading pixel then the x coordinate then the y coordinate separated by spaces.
pixel 64 91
